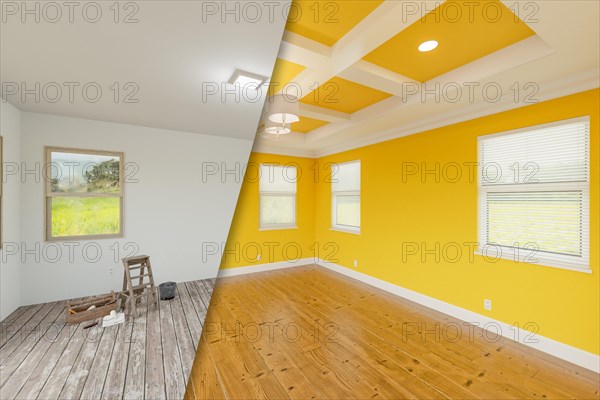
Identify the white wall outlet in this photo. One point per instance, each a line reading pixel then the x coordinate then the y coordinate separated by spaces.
pixel 355 263
pixel 487 304
pixel 258 257
pixel 111 270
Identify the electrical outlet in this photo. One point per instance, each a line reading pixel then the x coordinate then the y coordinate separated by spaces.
pixel 487 304
pixel 110 270
pixel 355 263
pixel 258 257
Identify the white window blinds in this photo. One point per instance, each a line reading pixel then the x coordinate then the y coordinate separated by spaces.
pixel 277 188
pixel 277 178
pixel 534 194
pixel 346 177
pixel 345 194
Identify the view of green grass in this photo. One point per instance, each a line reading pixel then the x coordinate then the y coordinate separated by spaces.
pixel 73 216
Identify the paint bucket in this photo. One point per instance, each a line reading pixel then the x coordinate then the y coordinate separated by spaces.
pixel 167 290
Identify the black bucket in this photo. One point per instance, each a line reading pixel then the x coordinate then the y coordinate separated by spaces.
pixel 167 290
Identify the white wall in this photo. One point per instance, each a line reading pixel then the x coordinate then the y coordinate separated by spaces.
pixel 10 128
pixel 169 213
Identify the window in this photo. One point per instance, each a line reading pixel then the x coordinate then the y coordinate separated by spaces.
pixel 534 195
pixel 277 188
pixel 345 195
pixel 84 194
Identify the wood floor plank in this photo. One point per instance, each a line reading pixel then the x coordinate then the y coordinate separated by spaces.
pixel 94 384
pixel 12 317
pixel 19 366
pixel 114 385
pixel 372 345
pixel 204 382
pixel 174 379
pixel 60 373
pixel 191 316
pixel 80 371
pixel 25 331
pixel 45 358
pixel 13 327
pixel 155 374
pixel 185 344
pixel 135 381
pixel 357 359
pixel 36 381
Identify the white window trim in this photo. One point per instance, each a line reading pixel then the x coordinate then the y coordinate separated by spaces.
pixel 272 227
pixel 545 259
pixel 334 225
pixel 48 195
pixel 340 227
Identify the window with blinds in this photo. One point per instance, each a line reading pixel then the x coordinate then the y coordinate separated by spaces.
pixel 534 194
pixel 277 187
pixel 345 195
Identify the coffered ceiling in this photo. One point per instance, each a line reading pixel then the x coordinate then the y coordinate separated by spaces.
pixel 361 79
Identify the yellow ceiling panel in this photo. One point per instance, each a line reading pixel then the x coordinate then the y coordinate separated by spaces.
pixel 283 73
pixel 465 31
pixel 327 21
pixel 306 125
pixel 343 95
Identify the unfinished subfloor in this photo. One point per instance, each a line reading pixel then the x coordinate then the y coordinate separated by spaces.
pixel 150 357
pixel 307 332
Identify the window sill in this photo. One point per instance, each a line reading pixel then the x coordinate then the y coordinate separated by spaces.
pixel 352 231
pixel 277 228
pixel 542 262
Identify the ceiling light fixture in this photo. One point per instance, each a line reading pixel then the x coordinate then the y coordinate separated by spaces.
pixel 428 46
pixel 283 109
pixel 247 79
pixel 275 128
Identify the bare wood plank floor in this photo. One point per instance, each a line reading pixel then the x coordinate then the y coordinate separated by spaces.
pixel 307 332
pixel 41 357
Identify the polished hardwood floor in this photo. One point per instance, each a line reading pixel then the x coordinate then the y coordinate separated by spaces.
pixel 149 357
pixel 309 333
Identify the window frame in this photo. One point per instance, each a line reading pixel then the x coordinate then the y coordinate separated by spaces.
pixel 48 150
pixel 334 198
pixel 541 258
pixel 270 227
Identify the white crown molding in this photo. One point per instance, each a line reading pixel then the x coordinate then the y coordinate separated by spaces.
pixel 267 148
pixel 550 346
pixel 551 90
pixel 573 84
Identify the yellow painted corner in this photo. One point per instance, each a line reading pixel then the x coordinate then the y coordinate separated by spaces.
pixel 246 240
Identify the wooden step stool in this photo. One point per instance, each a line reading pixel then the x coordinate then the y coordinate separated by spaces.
pixel 145 284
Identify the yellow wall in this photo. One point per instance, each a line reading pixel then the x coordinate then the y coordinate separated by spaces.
pixel 563 304
pixel 246 240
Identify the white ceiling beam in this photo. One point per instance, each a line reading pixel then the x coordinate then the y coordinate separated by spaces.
pixel 385 22
pixel 520 53
pixel 368 74
pixel 323 114
pixel 301 50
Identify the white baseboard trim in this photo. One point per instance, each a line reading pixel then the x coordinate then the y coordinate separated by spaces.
pixel 251 269
pixel 569 353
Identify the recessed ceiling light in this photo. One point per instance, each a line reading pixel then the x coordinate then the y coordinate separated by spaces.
pixel 428 45
pixel 247 79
